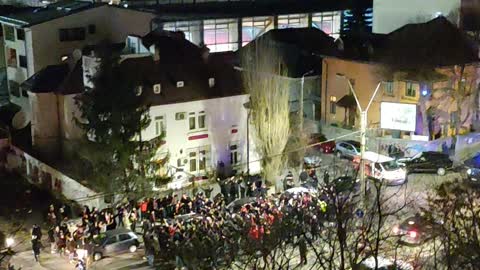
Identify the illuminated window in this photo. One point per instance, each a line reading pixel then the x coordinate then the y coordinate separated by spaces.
pixel 191 29
pixel 333 104
pixel 328 22
pixel 254 27
pixel 292 21
pixel 12 57
pixel 221 35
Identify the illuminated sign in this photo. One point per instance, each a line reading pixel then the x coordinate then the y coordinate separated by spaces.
pixel 398 116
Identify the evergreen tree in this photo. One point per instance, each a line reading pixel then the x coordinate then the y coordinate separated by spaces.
pixel 114 116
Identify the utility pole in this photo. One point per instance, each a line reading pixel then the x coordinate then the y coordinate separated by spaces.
pixel 302 83
pixel 363 136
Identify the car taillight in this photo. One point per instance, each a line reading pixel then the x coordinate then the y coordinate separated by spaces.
pixel 412 234
pixel 395 230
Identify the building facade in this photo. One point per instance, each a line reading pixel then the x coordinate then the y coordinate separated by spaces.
pixel 47 36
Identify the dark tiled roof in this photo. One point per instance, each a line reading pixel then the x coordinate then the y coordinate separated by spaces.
pixel 298 47
pixel 48 13
pixel 57 78
pixel 48 79
pixel 180 60
pixel 414 46
pixel 145 71
pixel 431 44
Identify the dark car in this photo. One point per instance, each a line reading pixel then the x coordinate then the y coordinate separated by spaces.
pixel 115 242
pixel 429 162
pixel 416 230
pixel 472 167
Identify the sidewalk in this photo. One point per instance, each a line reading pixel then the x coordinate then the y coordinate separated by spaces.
pixel 24 260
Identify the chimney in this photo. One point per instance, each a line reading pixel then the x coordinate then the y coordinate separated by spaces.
pixel 205 52
pixel 156 55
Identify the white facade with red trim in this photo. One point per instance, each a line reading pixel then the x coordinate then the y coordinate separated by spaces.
pixel 202 134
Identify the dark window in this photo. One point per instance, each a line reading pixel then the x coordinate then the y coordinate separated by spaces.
pixel 9 33
pixel 24 92
pixel 124 237
pixel 111 240
pixel 1 32
pixel 411 89
pixel 20 34
pixel 72 34
pixel 92 29
pixel 333 107
pixel 388 88
pixel 14 88
pixel 22 59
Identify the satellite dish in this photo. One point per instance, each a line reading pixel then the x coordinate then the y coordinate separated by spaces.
pixel 77 55
pixel 20 120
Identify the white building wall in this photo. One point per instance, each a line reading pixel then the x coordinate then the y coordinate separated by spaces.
pixel 226 120
pixel 389 15
pixel 68 111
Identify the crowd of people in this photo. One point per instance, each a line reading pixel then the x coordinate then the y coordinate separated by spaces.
pixel 199 231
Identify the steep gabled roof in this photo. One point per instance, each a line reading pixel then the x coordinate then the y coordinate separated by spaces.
pixel 299 48
pixel 431 44
pixel 48 79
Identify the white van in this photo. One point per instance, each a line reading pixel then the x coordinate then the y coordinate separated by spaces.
pixel 383 167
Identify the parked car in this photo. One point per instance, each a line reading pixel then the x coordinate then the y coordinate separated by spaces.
pixel 415 230
pixel 114 242
pixel 429 162
pixel 472 167
pixel 321 143
pixel 347 149
pixel 383 168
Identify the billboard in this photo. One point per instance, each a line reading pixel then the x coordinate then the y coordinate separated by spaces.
pixel 398 116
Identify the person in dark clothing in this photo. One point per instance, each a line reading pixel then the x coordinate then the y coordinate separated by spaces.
pixel 37 232
pixel 149 249
pixel 36 248
pixel 51 239
pixel 302 246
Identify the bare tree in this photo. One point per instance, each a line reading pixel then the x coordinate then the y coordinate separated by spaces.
pixel 269 96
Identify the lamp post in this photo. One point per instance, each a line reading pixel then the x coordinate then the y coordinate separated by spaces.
pixel 302 83
pixel 363 133
pixel 248 107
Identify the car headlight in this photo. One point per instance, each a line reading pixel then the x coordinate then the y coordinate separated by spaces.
pixel 469 171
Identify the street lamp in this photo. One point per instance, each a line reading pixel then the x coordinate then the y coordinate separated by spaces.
pixel 302 83
pixel 247 106
pixel 363 132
